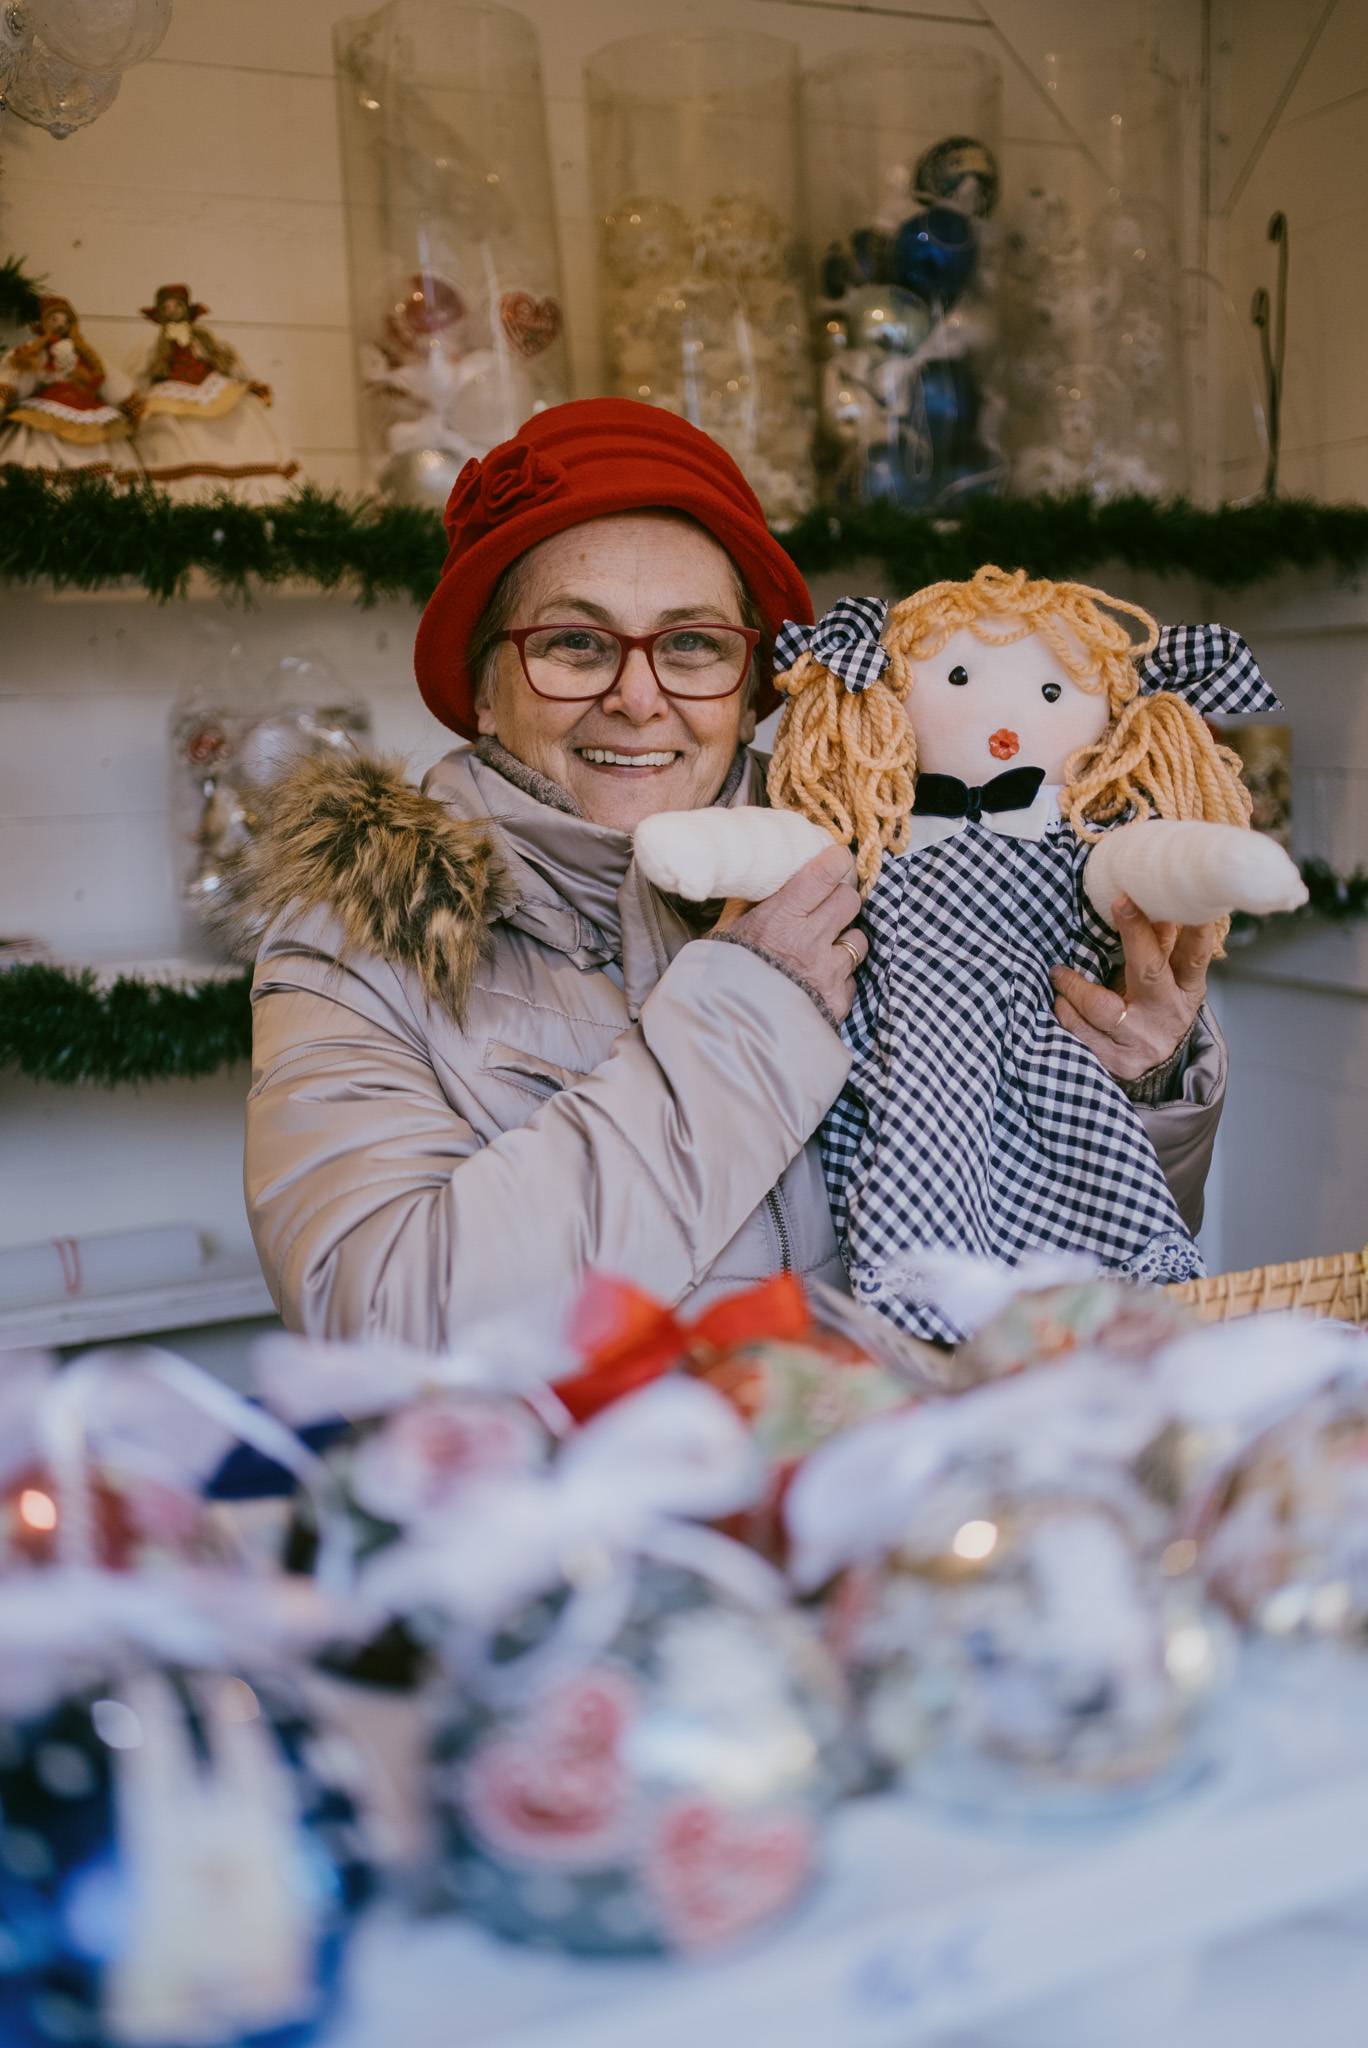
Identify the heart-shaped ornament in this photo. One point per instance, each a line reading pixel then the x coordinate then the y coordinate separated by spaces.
pixel 531 324
pixel 555 1789
pixel 716 1874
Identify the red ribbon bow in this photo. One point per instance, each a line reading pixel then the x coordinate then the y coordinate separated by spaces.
pixel 627 1340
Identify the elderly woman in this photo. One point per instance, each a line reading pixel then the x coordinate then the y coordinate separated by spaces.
pixel 488 1055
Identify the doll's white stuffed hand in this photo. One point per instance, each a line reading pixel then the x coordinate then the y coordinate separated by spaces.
pixel 1181 871
pixel 746 852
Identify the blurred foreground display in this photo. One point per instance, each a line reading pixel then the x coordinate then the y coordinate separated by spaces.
pixel 694 158
pixel 455 275
pixel 624 1633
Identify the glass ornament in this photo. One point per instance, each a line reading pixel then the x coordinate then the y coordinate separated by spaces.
pixel 1023 1654
pixel 180 1858
pixel 935 254
pixel 16 34
pixel 1282 1533
pixel 666 1795
pixel 102 35
pixel 50 93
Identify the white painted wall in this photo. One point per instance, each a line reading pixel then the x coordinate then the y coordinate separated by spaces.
pixel 1292 136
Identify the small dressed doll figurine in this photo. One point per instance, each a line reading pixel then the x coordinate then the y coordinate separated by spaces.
pixel 1005 762
pixel 60 408
pixel 204 426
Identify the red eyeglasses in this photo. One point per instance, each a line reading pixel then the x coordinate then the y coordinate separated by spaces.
pixel 575 663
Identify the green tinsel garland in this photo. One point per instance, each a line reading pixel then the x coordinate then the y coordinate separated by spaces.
pixel 88 532
pixel 18 294
pixel 56 1024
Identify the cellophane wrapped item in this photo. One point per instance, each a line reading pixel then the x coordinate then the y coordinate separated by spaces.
pixel 181 1851
pixel 1280 1527
pixel 1000 1591
pixel 635 1738
pixel 182 1859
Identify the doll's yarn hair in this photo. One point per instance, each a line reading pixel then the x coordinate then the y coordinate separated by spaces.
pixel 850 762
pixel 846 759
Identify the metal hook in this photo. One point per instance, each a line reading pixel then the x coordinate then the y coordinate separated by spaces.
pixel 1271 321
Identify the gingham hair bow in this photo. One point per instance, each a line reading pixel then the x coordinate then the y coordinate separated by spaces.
pixel 845 640
pixel 1210 667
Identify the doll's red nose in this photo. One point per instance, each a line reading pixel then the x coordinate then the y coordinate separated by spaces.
pixel 1004 744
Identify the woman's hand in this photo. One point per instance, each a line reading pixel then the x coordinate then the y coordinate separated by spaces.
pixel 1141 1022
pixel 807 927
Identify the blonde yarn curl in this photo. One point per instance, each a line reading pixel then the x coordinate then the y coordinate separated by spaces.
pixel 846 760
pixel 849 762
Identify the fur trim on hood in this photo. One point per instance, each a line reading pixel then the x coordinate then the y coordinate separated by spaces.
pixel 402 876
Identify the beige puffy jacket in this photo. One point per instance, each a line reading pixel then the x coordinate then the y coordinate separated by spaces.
pixel 489 1056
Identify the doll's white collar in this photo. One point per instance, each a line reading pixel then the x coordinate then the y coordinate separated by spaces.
pixel 1032 823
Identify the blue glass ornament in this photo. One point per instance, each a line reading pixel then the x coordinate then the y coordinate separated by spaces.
pixel 935 254
pixel 69 1908
pixel 943 447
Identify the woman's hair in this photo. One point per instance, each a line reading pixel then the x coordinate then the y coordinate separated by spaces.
pixel 498 615
pixel 849 761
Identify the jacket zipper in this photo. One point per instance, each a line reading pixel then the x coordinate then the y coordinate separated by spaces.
pixel 775 1205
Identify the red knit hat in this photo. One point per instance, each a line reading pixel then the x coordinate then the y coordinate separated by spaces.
pixel 568 464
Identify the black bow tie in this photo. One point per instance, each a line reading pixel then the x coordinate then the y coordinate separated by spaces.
pixel 945 796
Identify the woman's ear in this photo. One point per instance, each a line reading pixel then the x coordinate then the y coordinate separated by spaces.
pixel 746 730
pixel 484 717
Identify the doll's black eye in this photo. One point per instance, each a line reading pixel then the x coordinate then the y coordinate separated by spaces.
pixel 1050 692
pixel 959 677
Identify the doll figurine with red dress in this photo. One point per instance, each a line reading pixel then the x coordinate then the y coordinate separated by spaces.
pixel 60 408
pixel 205 426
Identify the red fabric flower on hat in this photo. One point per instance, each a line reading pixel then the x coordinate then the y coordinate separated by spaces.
pixel 510 477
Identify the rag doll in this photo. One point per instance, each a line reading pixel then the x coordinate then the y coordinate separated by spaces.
pixel 1005 761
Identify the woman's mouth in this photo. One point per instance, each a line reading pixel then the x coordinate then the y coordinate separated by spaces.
pixel 618 762
pixel 1004 744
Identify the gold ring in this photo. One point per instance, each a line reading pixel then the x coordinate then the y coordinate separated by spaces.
pixel 855 955
pixel 1125 1012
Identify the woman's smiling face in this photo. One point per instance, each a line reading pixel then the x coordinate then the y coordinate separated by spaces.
pixel 635 572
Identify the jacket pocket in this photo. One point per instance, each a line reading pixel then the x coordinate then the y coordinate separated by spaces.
pixel 527 1070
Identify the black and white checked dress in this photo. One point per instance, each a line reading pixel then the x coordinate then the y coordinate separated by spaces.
pixel 972 1120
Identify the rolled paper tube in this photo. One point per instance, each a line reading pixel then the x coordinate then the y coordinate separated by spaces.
pixel 710 854
pixel 106 1262
pixel 1181 871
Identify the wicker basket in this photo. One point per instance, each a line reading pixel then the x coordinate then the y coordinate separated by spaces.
pixel 1320 1287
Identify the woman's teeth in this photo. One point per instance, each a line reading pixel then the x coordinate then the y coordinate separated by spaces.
pixel 602 758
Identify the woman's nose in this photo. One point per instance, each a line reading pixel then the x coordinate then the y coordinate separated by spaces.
pixel 636 693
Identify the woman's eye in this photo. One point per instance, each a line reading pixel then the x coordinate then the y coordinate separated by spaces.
pixel 1050 692
pixel 692 642
pixel 959 677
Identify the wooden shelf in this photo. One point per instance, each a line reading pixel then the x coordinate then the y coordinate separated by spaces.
pixel 227 1292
